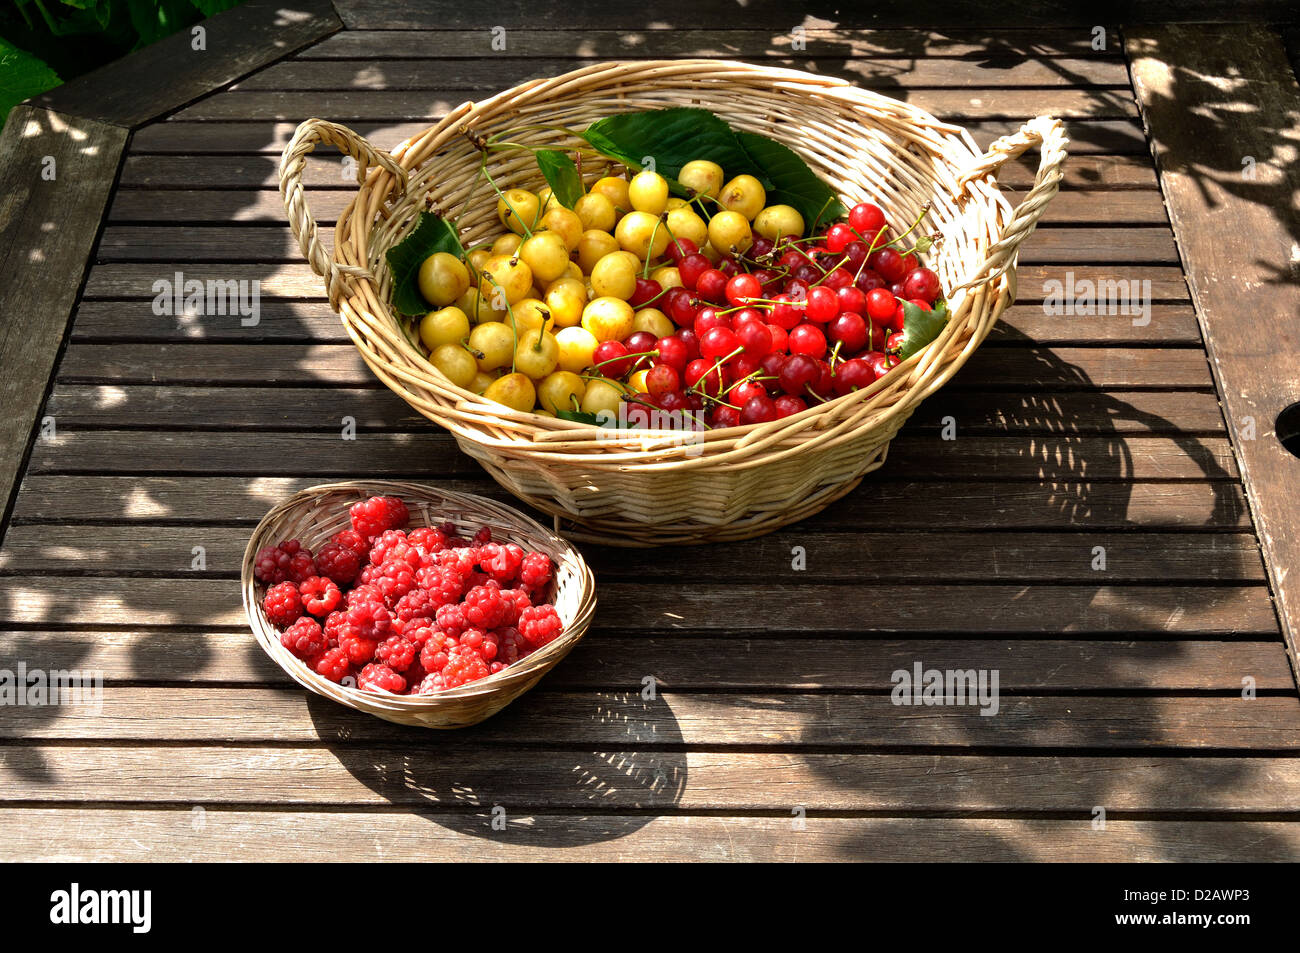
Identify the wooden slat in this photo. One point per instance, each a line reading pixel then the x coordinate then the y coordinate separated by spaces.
pixel 253 243
pixel 47 230
pixel 297 281
pixel 879 503
pixel 368 106
pixel 85 834
pixel 1087 137
pixel 819 42
pixel 832 557
pixel 171 72
pixel 1238 611
pixel 215 408
pixel 428 454
pixel 284 320
pixel 1035 368
pixel 690 663
pixel 487 74
pixel 1115 210
pixel 465 777
pixel 622 720
pixel 1238 236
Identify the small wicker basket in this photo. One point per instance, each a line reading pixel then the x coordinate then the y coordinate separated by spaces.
pixel 317 513
pixel 734 483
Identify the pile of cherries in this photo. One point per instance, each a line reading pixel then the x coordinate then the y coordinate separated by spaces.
pixel 778 327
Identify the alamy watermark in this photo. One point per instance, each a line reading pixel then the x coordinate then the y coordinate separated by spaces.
pixel 191 297
pixel 100 907
pixel 42 688
pixel 1109 296
pixel 932 686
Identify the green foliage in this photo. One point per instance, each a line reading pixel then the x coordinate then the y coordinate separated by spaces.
pixel 46 42
pixel 920 327
pixel 561 175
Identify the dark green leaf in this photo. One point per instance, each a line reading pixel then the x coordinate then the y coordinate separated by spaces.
pixel 431 235
pixel 793 183
pixel 578 416
pixel 561 175
pixel 920 327
pixel 672 138
pixel 21 77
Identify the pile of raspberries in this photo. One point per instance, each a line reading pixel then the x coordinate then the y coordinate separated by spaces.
pixel 407 612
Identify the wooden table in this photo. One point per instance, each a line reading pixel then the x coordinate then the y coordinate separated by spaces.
pixel 142 448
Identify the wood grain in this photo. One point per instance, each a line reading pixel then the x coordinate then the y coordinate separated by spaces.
pixel 47 230
pixel 1201 167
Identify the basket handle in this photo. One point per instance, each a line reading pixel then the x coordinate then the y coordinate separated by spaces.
pixel 1049 135
pixel 293 163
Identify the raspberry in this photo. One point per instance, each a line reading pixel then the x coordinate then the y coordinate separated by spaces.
pixel 351 539
pixel 372 517
pixel 442 585
pixel 486 644
pixel 418 634
pixel 461 560
pixel 436 652
pixel 451 619
pixel 483 536
pixel 396 652
pixel 334 664
pixel 416 604
pixel 392 540
pixel 427 540
pixel 463 665
pixel 516 601
pixel 380 678
pixel 431 684
pixel 338 563
pixel 301 567
pixel 540 624
pixel 395 580
pixel 304 639
pixel 511 646
pixel 358 648
pixel 501 562
pixel 454 539
pixel 485 607
pixel 535 572
pixel 320 596
pixel 273 563
pixel 334 624
pixel 282 604
pixel 371 618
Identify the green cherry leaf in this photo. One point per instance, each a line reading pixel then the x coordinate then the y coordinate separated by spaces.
pixel 432 234
pixel 578 416
pixel 561 175
pixel 920 327
pixel 792 182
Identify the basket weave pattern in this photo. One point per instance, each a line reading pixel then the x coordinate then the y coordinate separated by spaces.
pixel 734 483
pixel 317 513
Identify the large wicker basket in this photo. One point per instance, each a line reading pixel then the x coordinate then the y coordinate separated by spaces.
pixel 733 483
pixel 317 513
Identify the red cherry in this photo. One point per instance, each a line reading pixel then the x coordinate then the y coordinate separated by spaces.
pixel 679 305
pixel 680 248
pixel 856 252
pixel 823 304
pixel 788 404
pixel 743 287
pixel 761 248
pixel 855 374
pixel 921 283
pixel 784 314
pixel 712 285
pixel 866 219
pixel 755 338
pixel 706 371
pixel 692 341
pixel 838 237
pixel 881 305
pixel 745 315
pixel 647 289
pixel 771 366
pixel 691 267
pixel 674 401
pixel 717 343
pixel 824 384
pixel 607 357
pixel 839 278
pixel 780 339
pixel 880 363
pixel 724 416
pixel 662 379
pixel 741 393
pixel 799 371
pixel 807 273
pixel 850 331
pixel 740 367
pixel 709 318
pixel 729 268
pixel 673 352
pixel 640 342
pixel 758 410
pixel 868 281
pixel 808 339
pixel 894 343
pixel 852 299
pixel 888 264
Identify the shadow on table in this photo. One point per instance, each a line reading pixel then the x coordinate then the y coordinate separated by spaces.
pixel 471 779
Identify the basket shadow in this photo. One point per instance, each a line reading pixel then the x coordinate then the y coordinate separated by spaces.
pixel 482 782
